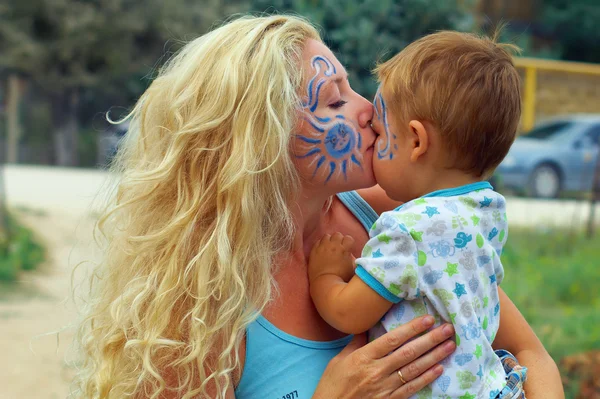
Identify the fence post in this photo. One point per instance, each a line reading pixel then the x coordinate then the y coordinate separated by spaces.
pixel 594 197
pixel 3 212
pixel 13 124
pixel 529 99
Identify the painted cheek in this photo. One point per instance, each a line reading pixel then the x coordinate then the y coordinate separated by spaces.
pixel 332 147
pixel 332 144
pixel 386 146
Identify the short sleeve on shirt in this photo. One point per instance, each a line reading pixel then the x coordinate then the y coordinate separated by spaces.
pixel 389 260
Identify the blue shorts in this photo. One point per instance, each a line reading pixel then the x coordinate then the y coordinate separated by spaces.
pixel 516 375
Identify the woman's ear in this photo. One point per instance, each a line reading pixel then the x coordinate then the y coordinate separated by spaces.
pixel 419 139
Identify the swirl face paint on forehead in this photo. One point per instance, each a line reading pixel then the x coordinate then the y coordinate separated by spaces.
pixel 332 143
pixel 313 92
pixel 384 150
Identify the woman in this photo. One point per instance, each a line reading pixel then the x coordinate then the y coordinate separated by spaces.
pixel 231 171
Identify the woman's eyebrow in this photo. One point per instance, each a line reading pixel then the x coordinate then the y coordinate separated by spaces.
pixel 329 83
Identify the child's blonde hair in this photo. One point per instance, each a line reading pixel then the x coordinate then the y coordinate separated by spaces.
pixel 466 86
pixel 202 207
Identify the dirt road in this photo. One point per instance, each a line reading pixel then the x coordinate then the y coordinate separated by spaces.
pixel 76 189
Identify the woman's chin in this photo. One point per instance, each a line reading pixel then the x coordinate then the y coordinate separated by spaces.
pixel 369 173
pixel 356 180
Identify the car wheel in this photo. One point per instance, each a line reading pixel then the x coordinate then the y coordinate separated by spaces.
pixel 545 182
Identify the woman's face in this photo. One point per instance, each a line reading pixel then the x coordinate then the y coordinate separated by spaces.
pixel 333 143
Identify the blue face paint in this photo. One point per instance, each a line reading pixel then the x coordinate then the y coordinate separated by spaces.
pixel 333 144
pixel 316 125
pixel 317 92
pixel 313 92
pixel 309 140
pixel 385 152
pixel 331 170
pixel 376 107
pixel 322 120
pixel 339 141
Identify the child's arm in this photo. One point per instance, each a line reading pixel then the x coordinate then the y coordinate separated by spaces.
pixel 351 307
pixel 517 337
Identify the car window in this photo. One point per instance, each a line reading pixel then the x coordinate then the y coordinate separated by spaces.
pixel 548 131
pixel 594 134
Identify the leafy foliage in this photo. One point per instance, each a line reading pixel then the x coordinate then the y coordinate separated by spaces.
pixel 20 251
pixel 79 58
pixel 574 24
pixel 99 45
pixel 363 33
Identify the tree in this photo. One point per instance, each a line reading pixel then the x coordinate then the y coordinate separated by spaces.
pixel 73 50
pixel 574 25
pixel 361 33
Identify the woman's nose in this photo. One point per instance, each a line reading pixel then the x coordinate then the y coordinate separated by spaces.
pixel 366 113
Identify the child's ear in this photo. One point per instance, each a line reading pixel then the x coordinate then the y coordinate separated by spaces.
pixel 419 138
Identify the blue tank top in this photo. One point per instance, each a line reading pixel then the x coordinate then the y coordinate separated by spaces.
pixel 281 366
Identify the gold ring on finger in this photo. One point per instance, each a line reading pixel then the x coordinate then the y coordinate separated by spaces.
pixel 401 377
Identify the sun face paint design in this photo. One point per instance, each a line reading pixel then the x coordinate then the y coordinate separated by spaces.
pixel 333 143
pixel 384 147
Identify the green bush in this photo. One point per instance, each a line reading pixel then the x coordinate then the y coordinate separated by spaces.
pixel 20 251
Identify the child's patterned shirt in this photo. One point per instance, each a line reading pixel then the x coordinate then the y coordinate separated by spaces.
pixel 440 254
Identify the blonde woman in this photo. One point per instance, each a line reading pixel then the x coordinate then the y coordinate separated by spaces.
pixel 240 156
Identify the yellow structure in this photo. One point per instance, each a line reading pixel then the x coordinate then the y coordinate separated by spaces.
pixel 532 67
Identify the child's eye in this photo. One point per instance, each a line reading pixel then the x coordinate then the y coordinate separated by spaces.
pixel 338 104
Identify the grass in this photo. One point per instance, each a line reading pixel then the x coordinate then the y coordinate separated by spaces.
pixel 19 252
pixel 552 276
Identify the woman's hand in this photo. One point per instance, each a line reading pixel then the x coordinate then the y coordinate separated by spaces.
pixel 371 371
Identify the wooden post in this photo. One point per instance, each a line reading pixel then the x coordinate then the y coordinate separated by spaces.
pixel 594 198
pixel 13 124
pixel 3 213
pixel 529 99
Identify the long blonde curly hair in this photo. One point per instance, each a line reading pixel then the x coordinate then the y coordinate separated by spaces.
pixel 201 208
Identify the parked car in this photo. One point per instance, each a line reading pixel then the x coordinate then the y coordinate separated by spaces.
pixel 558 155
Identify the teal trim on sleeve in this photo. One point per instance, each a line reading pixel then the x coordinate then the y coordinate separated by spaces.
pixel 451 192
pixel 359 207
pixel 376 285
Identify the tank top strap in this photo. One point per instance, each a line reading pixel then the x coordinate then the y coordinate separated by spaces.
pixel 359 208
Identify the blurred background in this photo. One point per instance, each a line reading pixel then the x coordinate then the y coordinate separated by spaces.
pixel 65 63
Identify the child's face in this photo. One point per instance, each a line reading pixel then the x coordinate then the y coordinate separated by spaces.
pixel 391 160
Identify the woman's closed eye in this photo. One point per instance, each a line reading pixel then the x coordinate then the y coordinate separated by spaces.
pixel 338 104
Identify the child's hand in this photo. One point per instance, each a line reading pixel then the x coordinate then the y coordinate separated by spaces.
pixel 332 255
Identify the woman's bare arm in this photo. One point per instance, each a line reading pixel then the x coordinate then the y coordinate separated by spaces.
pixel 516 336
